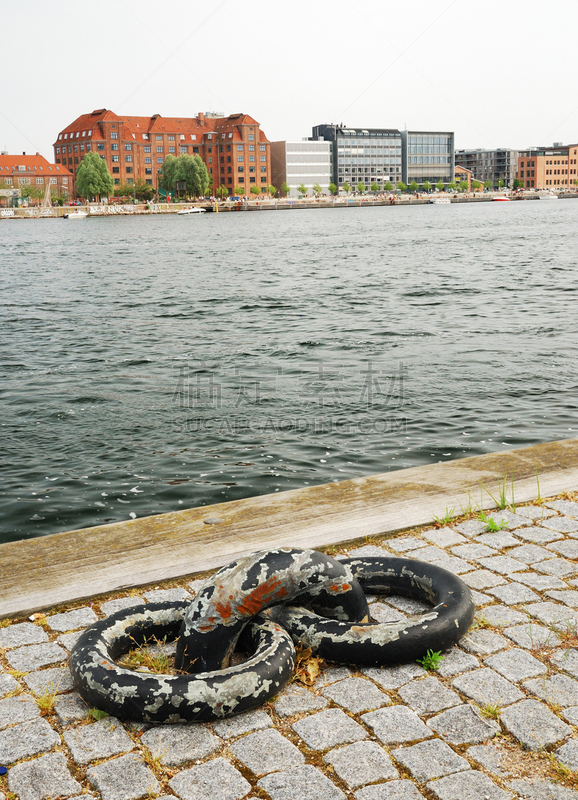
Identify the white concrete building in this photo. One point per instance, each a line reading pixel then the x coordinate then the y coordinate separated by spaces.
pixel 305 162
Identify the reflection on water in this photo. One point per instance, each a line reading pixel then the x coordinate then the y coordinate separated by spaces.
pixel 154 364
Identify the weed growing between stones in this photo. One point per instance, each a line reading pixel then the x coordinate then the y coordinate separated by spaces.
pixel 148 657
pixel 431 660
pixel 561 773
pixel 491 710
pixel 447 517
pixel 97 714
pixel 46 700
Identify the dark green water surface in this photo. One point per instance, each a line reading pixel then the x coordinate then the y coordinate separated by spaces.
pixel 153 364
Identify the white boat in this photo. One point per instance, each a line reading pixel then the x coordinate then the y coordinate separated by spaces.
pixel 192 210
pixel 548 196
pixel 501 199
pixel 440 201
pixel 75 215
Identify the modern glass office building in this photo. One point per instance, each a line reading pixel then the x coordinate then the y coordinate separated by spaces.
pixel 428 156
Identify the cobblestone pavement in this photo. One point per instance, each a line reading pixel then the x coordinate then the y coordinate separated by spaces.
pixel 497 718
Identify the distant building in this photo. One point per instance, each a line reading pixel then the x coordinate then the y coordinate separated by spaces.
pixel 234 149
pixel 463 174
pixel 549 167
pixel 301 163
pixel 490 165
pixel 18 172
pixel 362 155
pixel 428 156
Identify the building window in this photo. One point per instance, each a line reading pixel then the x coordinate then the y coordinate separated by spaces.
pixel 145 136
pixel 239 148
pixel 184 149
pixel 251 158
pixel 210 159
pixel 149 182
pixel 148 171
pixel 114 135
pixel 240 159
pixel 262 148
pixel 159 138
pixel 58 151
pixel 241 180
pixel 195 149
pixel 251 180
pixel 171 149
pixel 171 138
pixel 127 146
pixel 129 170
pixel 116 181
pixel 100 146
pixel 229 169
pixel 115 159
pixel 147 148
pixel 76 159
pixel 115 170
pixel 159 149
pixel 8 181
pixel 240 169
pixel 114 146
pixel 263 158
pixel 209 149
pixel 228 148
pixel 128 159
pixel 159 160
pixel 228 159
pixel 63 161
pixel 148 160
pixel 251 148
pixel 251 137
pixel 39 180
pixel 251 169
pixel 263 180
pixel 82 148
pixel 263 169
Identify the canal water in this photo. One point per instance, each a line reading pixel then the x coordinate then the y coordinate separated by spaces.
pixel 152 364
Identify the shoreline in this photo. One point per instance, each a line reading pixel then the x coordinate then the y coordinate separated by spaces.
pixel 94 210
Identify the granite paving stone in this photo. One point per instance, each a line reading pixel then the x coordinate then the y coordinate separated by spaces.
pixel 534 725
pixel 568 507
pixel 452 563
pixel 174 745
pixel 328 728
pixel 407 604
pixel 463 725
pixel 532 636
pixel 481 599
pixel 72 620
pixel 394 677
pixel 535 512
pixel 502 564
pixel 393 790
pixel 553 614
pixel 569 597
pixel 539 582
pixel 566 660
pixel 232 727
pixel 216 779
pixel 100 739
pixel 429 553
pixel 428 696
pixel 396 725
pixel 473 784
pixel 405 544
pixel 487 687
pixel 25 740
pixel 483 642
pixel 112 606
pixel 498 540
pixel 167 595
pixel 483 579
pixel 515 665
pixel 542 790
pixel 357 694
pixel 300 783
pixel 47 776
pixel 560 524
pixel 361 763
pixel 529 553
pixel 381 612
pixel 267 751
pixel 500 616
pixel 14 710
pixel 70 708
pixel 332 675
pixel 295 699
pixel 538 535
pixel 427 760
pixel 21 634
pixel 35 656
pixel 570 714
pixel 565 547
pixel 568 754
pixel 559 567
pixel 473 551
pixel 443 537
pixel 7 684
pixel 490 758
pixel 513 594
pixel 455 661
pixel 513 520
pixel 559 690
pixel 471 527
pixel 68 640
pixel 49 681
pixel 124 778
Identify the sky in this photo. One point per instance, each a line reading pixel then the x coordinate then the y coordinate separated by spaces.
pixel 499 73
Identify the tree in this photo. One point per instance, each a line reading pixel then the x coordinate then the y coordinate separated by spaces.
pixel 239 190
pixel 317 189
pixel 346 187
pixel 501 183
pixel 463 186
pixel 93 178
pixel 190 169
pixel 143 190
pixel 452 186
pixel 221 191
pixel 427 186
pixel 272 190
pixel 488 184
pixel 402 186
pixel 285 188
pixel 476 185
pixel 31 192
pixel 123 190
pixel 333 189
pixel 374 187
pixel 302 189
pixel 413 187
pixel 388 186
pixel 255 190
pixel 518 184
pixel 440 186
pixel 360 187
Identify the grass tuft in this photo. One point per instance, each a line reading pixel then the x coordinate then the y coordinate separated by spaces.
pixel 447 517
pixel 431 660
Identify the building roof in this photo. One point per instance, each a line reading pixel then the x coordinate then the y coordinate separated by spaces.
pixel 36 164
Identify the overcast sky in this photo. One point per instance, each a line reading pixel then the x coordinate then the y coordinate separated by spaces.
pixel 500 73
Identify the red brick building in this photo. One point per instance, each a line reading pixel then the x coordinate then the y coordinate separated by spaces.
pixel 26 170
pixel 234 148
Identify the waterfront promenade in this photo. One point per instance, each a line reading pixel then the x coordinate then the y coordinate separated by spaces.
pixel 497 718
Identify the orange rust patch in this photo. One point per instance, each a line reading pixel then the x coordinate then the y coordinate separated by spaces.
pixel 224 609
pixel 261 595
